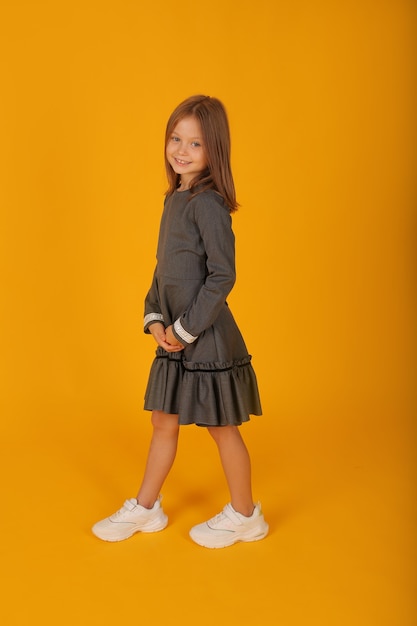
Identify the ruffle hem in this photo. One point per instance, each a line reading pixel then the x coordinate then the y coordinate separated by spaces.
pixel 205 394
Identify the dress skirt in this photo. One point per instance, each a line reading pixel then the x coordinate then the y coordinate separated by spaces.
pixel 205 394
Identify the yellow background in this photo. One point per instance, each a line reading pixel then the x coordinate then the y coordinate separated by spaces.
pixel 321 104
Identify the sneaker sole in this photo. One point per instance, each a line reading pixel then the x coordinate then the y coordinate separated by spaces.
pixel 149 529
pixel 222 543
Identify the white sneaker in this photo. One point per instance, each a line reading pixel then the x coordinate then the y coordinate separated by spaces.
pixel 130 519
pixel 228 527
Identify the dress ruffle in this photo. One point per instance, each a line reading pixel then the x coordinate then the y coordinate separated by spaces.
pixel 206 394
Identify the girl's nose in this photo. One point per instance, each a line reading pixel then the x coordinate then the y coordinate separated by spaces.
pixel 182 148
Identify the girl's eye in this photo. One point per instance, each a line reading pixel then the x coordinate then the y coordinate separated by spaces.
pixel 195 144
pixel 174 138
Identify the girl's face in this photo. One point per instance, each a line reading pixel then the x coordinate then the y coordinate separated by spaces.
pixel 185 150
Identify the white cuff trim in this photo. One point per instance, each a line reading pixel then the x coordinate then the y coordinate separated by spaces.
pixel 153 317
pixel 181 332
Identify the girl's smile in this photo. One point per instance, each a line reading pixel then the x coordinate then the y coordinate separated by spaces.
pixel 182 162
pixel 185 150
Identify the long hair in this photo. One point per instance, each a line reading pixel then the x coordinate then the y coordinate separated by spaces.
pixel 212 116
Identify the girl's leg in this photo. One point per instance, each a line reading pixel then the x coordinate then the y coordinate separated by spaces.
pixel 235 460
pixel 161 456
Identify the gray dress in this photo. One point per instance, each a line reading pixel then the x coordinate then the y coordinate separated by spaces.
pixel 211 382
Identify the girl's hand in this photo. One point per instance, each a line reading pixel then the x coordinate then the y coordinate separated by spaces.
pixel 159 333
pixel 172 340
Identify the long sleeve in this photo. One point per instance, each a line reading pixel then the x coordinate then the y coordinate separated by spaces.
pixel 152 307
pixel 214 224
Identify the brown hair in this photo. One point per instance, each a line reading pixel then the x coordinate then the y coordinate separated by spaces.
pixel 212 116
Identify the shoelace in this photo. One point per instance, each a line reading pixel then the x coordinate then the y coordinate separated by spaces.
pixel 121 512
pixel 218 518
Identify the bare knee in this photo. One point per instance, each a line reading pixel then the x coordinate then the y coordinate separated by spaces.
pixel 165 423
pixel 221 433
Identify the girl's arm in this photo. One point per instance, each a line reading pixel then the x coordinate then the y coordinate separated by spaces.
pixel 154 321
pixel 214 224
pixel 152 310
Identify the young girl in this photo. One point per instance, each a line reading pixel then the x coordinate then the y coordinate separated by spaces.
pixel 202 372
